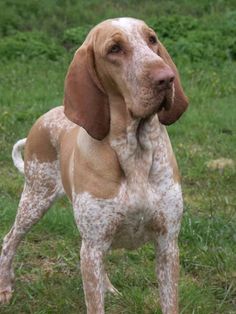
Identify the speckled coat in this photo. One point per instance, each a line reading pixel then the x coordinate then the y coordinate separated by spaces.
pixel 107 148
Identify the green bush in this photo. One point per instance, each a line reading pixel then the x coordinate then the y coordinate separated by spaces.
pixel 201 46
pixel 187 39
pixel 173 26
pixel 74 37
pixel 29 45
pixel 228 29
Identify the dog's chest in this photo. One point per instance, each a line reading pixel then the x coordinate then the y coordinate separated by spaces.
pixel 134 205
pixel 141 210
pixel 148 189
pixel 143 207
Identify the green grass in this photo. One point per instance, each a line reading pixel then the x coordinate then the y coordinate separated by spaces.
pixel 48 277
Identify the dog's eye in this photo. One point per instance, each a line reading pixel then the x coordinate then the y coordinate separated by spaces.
pixel 115 48
pixel 152 39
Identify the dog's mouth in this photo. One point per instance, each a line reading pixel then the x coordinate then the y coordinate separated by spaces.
pixel 157 102
pixel 150 110
pixel 164 105
pixel 167 100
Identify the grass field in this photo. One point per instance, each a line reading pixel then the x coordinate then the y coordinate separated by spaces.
pixel 37 40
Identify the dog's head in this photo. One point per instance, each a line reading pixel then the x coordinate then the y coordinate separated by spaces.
pixel 122 58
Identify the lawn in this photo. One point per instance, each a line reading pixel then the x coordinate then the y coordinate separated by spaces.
pixel 37 41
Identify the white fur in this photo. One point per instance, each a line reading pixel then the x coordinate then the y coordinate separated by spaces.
pixel 56 120
pixel 16 154
pixel 126 23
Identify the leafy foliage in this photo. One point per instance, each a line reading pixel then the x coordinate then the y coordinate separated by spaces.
pixel 28 45
pixel 194 41
pixel 74 37
pixel 173 26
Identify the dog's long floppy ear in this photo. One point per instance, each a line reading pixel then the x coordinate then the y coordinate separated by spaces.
pixel 180 102
pixel 85 101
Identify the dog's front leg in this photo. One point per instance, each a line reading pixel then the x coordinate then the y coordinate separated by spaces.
pixel 91 257
pixel 97 220
pixel 168 273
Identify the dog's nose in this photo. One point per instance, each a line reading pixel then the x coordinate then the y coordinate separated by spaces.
pixel 163 78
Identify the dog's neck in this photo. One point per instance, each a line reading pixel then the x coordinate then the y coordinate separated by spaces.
pixel 124 125
pixel 133 139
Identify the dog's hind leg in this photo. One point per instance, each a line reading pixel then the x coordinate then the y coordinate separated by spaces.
pixel 42 187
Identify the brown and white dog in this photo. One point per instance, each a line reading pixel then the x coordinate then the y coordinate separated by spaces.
pixel 109 151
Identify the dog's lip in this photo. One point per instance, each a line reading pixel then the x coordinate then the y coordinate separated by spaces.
pixel 154 107
pixel 162 105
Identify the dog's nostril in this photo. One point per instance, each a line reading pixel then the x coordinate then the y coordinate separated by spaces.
pixel 161 82
pixel 172 79
pixel 165 80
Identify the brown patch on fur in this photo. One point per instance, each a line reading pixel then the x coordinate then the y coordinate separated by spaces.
pixel 97 168
pixel 158 224
pixel 180 103
pixel 68 143
pixel 86 104
pixel 39 145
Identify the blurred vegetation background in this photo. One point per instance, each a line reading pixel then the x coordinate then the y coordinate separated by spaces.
pixel 34 28
pixel 37 42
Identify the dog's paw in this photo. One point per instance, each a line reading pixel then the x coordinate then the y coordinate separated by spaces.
pixel 5 296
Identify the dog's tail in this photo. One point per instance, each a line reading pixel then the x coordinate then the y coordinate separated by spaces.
pixel 17 156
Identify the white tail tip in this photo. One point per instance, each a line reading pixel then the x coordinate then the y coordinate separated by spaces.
pixel 17 156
